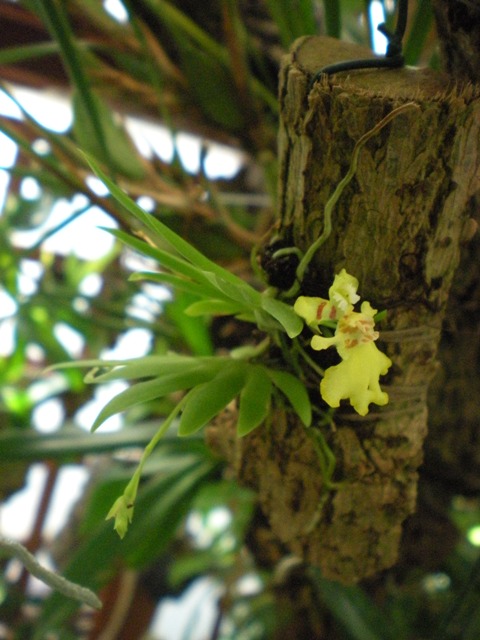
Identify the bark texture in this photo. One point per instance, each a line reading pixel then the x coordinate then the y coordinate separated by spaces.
pixel 452 453
pixel 397 227
pixel 458 26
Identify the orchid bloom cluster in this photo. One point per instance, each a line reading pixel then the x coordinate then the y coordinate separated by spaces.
pixel 356 378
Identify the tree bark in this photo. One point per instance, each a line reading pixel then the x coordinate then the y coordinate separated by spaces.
pixel 452 452
pixel 397 227
pixel 458 27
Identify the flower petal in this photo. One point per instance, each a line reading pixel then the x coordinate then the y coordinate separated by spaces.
pixel 343 292
pixel 357 379
pixel 320 342
pixel 314 310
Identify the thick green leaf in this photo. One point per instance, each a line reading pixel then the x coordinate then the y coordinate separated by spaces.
pixel 284 314
pixel 156 388
pixel 418 32
pixel 254 400
pixel 296 393
pixel 207 400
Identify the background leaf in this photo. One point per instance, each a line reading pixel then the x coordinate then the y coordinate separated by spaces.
pixel 115 149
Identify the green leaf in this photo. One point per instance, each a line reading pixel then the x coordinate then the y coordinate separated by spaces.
pixel 156 388
pixel 284 314
pixel 182 28
pixel 179 283
pixel 161 233
pixel 356 612
pixel 70 442
pixel 296 393
pixel 214 308
pixel 211 85
pixel 238 290
pixel 207 400
pixel 116 149
pixel 194 331
pixel 56 18
pixel 418 32
pixel 293 21
pixel 333 17
pixel 146 367
pixel 13 55
pixel 254 400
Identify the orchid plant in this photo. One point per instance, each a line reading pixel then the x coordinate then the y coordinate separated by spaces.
pixel 208 384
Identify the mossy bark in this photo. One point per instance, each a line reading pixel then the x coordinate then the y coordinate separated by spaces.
pixel 397 227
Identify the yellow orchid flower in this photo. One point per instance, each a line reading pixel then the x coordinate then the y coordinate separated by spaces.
pixel 356 378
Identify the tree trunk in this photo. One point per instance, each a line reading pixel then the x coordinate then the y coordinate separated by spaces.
pixel 453 446
pixel 397 227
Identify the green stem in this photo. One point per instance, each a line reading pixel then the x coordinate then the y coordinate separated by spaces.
pixel 311 363
pixel 132 487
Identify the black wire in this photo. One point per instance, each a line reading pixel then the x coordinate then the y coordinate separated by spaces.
pixel 393 57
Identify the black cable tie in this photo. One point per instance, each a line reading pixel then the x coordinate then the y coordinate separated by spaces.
pixel 392 59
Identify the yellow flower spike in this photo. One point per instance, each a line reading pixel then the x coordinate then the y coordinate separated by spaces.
pixel 356 378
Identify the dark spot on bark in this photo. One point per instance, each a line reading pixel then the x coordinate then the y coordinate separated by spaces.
pixel 279 271
pixel 409 267
pixel 444 242
pixel 436 283
pixel 297 495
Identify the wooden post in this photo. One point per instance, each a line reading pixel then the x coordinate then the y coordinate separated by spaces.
pixel 397 228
